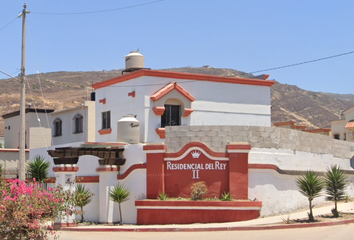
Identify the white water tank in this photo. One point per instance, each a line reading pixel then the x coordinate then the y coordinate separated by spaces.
pixel 128 130
pixel 134 60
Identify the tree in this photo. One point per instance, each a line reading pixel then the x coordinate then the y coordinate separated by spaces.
pixel 82 197
pixel 310 185
pixel 335 182
pixel 119 194
pixel 1 170
pixel 38 168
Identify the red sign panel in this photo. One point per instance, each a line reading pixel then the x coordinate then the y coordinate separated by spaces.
pixel 195 166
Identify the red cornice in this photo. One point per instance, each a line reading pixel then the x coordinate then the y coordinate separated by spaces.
pixel 152 147
pixel 161 132
pixel 65 169
pixel 107 169
pixel 105 131
pixel 238 146
pixel 187 112
pixel 159 110
pixel 177 75
pixel 83 179
pixel 132 168
pixel 12 150
pixel 195 144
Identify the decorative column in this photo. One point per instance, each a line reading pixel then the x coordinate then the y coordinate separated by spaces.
pixel 238 169
pixel 65 176
pixel 108 178
pixel 155 170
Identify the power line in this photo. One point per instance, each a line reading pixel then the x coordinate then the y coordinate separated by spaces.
pixel 301 63
pixel 8 24
pixel 100 11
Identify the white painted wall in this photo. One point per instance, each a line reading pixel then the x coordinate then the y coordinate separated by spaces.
pixel 279 193
pixel 338 127
pixel 287 159
pixel 215 104
pixel 32 120
pixel 87 110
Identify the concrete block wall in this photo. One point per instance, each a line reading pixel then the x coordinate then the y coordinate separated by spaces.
pixel 217 137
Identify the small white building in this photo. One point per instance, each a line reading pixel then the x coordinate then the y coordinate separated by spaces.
pixel 74 125
pixel 38 130
pixel 343 129
pixel 38 135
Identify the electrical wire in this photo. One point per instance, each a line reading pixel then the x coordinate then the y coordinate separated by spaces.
pixel 8 24
pixel 301 63
pixel 100 11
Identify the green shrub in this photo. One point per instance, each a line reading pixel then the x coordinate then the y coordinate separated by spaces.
pixel 226 196
pixel 162 196
pixel 198 190
pixel 38 168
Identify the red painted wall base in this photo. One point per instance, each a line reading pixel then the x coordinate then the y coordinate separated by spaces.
pixel 187 212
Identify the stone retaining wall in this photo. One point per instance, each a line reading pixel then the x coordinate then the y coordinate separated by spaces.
pixel 217 137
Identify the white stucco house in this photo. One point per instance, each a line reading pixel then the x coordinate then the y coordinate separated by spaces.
pixel 161 98
pixel 343 129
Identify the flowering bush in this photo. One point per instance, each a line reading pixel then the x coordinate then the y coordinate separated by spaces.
pixel 198 190
pixel 26 207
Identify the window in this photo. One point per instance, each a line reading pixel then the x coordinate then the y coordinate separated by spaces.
pixel 336 136
pixel 106 120
pixel 57 127
pixel 78 123
pixel 171 116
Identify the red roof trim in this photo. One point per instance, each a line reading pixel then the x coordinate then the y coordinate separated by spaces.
pixel 289 123
pixel 177 75
pixel 298 127
pixel 12 150
pixel 317 130
pixel 169 88
pixel 349 125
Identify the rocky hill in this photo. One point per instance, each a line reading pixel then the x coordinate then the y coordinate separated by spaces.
pixel 61 90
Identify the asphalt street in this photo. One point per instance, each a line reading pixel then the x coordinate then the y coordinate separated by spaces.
pixel 342 232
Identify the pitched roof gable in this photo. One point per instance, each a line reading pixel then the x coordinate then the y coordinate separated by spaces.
pixel 170 87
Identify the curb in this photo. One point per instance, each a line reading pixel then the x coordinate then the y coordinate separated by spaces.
pixel 206 229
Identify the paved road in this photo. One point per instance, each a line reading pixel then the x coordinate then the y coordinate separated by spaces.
pixel 340 232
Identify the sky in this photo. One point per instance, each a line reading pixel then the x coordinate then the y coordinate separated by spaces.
pixel 249 36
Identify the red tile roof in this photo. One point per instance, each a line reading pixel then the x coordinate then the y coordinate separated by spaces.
pixel 350 124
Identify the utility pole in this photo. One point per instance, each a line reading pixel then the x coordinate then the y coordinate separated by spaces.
pixel 22 174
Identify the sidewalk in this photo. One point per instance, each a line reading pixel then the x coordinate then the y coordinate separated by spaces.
pixel 274 222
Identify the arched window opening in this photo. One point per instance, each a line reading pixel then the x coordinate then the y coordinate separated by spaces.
pixel 57 127
pixel 78 123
